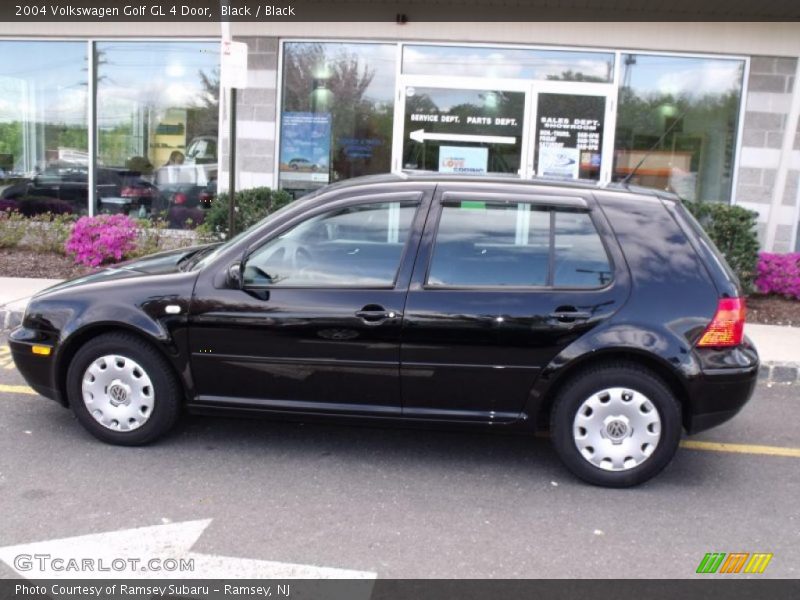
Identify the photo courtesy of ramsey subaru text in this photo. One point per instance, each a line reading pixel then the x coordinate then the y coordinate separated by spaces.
pixel 602 314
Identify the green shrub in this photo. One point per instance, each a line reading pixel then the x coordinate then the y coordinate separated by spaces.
pixel 149 236
pixel 251 206
pixel 733 230
pixel 49 232
pixel 12 228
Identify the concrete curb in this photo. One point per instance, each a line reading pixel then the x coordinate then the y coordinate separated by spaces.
pixel 785 373
pixel 771 372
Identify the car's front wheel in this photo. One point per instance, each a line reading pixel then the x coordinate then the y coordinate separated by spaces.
pixel 122 391
pixel 616 425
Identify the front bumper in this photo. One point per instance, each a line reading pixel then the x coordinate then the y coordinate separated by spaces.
pixel 38 370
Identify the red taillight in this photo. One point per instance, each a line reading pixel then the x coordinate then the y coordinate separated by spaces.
pixel 179 198
pixel 727 327
pixel 130 191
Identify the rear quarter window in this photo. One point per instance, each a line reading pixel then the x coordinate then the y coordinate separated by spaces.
pixel 580 258
pixel 722 273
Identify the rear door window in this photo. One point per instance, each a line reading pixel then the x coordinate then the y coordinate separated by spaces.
pixel 516 244
pixel 491 244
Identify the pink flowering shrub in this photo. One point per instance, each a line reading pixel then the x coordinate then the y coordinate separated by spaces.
pixel 779 274
pixel 101 239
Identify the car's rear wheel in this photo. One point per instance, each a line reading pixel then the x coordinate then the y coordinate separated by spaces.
pixel 616 425
pixel 122 390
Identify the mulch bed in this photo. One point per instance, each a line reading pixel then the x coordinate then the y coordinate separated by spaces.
pixel 773 310
pixel 770 310
pixel 27 263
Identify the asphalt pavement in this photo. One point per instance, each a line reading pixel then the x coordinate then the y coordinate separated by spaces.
pixel 398 503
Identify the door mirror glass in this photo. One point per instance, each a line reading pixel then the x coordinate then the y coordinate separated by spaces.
pixel 233 276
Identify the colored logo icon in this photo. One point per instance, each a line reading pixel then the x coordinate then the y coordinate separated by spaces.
pixel 735 562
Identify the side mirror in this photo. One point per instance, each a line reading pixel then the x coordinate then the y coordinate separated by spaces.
pixel 233 276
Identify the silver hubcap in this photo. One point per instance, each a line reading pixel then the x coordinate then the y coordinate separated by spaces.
pixel 118 392
pixel 616 429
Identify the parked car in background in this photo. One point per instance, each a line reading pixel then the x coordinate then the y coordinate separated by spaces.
pixel 603 314
pixel 118 189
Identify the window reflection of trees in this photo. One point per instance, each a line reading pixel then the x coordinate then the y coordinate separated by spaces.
pixel 695 157
pixel 349 82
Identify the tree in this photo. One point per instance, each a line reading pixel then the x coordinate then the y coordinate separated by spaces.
pixel 204 119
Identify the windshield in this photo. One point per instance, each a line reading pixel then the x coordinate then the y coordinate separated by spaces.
pixel 206 259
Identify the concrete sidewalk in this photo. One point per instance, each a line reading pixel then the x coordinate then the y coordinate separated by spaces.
pixel 14 295
pixel 778 347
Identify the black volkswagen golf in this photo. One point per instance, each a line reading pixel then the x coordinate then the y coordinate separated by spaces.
pixel 604 315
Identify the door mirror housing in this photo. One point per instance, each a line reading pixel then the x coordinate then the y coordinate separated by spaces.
pixel 234 276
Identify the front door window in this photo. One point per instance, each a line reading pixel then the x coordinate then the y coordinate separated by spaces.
pixel 356 246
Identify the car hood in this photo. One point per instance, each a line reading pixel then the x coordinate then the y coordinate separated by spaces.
pixel 154 264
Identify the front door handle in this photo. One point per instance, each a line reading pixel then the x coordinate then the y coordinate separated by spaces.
pixel 570 316
pixel 373 313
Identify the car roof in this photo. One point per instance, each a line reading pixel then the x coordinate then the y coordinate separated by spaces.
pixel 433 177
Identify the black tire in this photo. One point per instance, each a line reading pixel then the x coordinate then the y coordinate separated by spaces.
pixel 166 389
pixel 615 375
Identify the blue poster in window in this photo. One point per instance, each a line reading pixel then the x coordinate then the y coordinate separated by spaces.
pixel 305 147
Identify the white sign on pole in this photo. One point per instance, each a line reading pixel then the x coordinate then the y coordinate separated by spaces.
pixel 233 72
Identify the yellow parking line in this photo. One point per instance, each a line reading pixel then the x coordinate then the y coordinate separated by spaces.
pixel 16 389
pixel 741 448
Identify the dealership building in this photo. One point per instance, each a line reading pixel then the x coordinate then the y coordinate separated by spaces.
pixel 708 110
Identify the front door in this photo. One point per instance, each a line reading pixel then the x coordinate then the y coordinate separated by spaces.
pixel 317 326
pixel 504 281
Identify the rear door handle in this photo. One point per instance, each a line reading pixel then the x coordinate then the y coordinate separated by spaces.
pixel 570 316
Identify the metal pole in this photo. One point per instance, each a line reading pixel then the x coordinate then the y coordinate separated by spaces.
pixel 232 165
pixel 225 31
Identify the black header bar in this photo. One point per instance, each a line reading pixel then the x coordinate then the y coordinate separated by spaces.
pixel 397 11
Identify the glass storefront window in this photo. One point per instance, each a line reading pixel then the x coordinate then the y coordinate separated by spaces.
pixel 337 112
pixel 157 123
pixel 508 63
pixel 680 113
pixel 463 131
pixel 43 133
pixel 569 136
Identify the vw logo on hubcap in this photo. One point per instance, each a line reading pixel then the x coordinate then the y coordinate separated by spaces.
pixel 118 393
pixel 617 429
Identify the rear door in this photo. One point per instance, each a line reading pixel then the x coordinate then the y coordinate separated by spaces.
pixel 506 277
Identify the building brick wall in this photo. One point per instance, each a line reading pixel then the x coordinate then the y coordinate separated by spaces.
pixel 255 118
pixel 767 106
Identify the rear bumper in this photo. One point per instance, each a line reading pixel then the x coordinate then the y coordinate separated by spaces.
pixel 719 392
pixel 38 370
